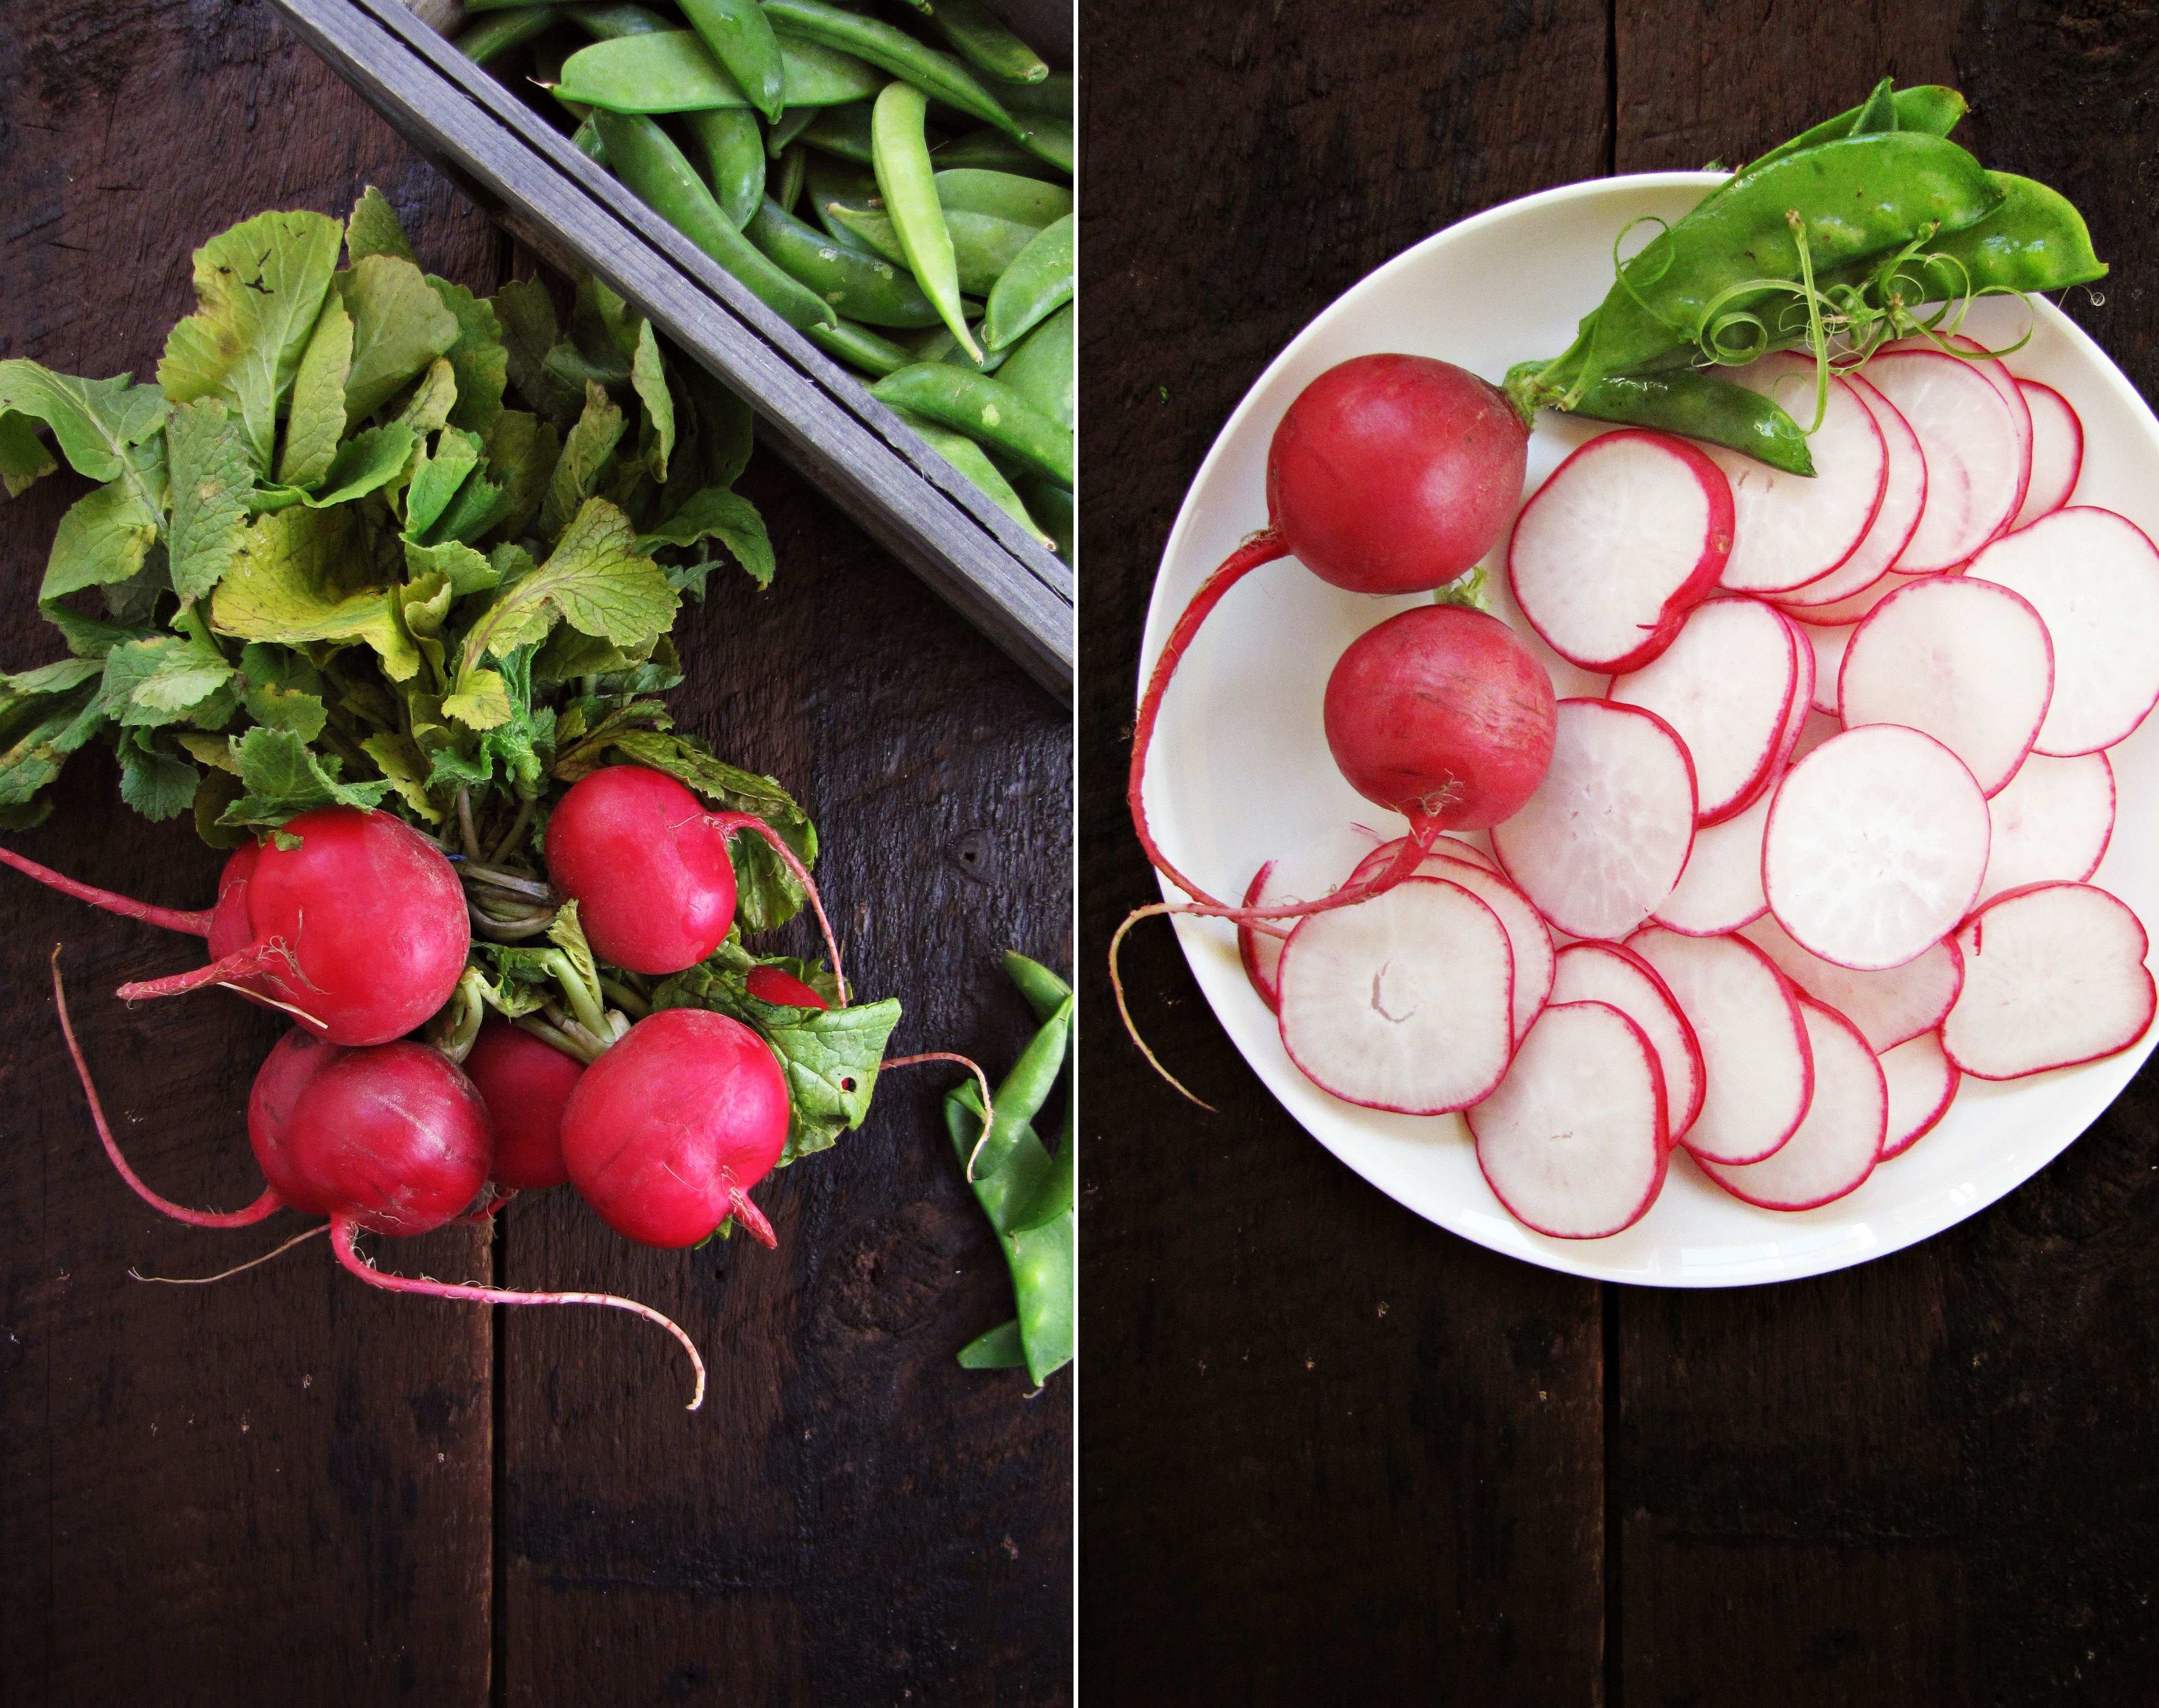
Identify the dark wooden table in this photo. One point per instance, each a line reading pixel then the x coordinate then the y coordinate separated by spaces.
pixel 1332 1454
pixel 288 1488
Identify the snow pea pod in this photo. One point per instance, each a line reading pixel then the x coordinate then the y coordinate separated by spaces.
pixel 1052 505
pixel 900 156
pixel 970 458
pixel 864 287
pixel 2036 241
pixel 1038 282
pixel 673 71
pixel 940 346
pixel 1001 1349
pixel 586 138
pixel 841 130
pixel 788 129
pixel 861 348
pixel 992 415
pixel 1042 1259
pixel 1026 201
pixel 728 147
pixel 828 181
pixel 607 21
pixel 499 32
pixel 982 40
pixel 1050 139
pixel 1927 106
pixel 645 158
pixel 791 168
pixel 995 152
pixel 983 246
pixel 740 36
pixel 1042 367
pixel 897 52
pixel 1053 96
pixel 1695 405
pixel 1044 991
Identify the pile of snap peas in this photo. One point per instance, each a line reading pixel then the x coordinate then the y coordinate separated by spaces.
pixel 936 256
pixel 1870 226
pixel 1029 1195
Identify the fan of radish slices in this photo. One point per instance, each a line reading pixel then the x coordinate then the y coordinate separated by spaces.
pixel 1829 778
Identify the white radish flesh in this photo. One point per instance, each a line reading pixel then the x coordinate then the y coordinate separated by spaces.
pixel 1795 716
pixel 1840 1141
pixel 2057 452
pixel 1575 1140
pixel 1758 1070
pixel 1402 1002
pixel 1997 374
pixel 1903 500
pixel 1960 659
pixel 1975 458
pixel 1847 611
pixel 1606 972
pixel 1603 841
pixel 1876 846
pixel 1889 1007
pixel 1720 890
pixel 1828 646
pixel 2051 824
pixel 1922 1083
pixel 1527 937
pixel 1788 530
pixel 2053 976
pixel 1309 872
pixel 1725 687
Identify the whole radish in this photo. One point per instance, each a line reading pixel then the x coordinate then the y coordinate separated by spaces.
pixel 526 1084
pixel 768 984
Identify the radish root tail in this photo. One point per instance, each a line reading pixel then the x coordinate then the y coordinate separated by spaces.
pixel 194 923
pixel 981 1081
pixel 734 821
pixel 204 1280
pixel 1125 1013
pixel 240 964
pixel 753 1219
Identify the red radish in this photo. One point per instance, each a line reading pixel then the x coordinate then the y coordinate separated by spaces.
pixel 1605 972
pixel 1574 1141
pixel 526 1084
pixel 2054 974
pixel 1758 1072
pixel 1976 457
pixel 1904 500
pixel 1840 1141
pixel 1725 687
pixel 359 932
pixel 1829 646
pixel 1261 950
pixel 768 984
pixel 1628 535
pixel 1998 375
pixel 1790 530
pixel 2051 824
pixel 285 1073
pixel 1601 844
pixel 1528 940
pixel 1959 658
pixel 2094 578
pixel 2057 452
pixel 1795 719
pixel 1876 846
pixel 1889 1007
pixel 1720 889
pixel 1403 1002
pixel 666 1132
pixel 648 867
pixel 1922 1083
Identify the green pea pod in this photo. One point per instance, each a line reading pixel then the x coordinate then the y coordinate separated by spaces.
pixel 897 52
pixel 587 139
pixel 1926 107
pixel 1045 1260
pixel 1699 407
pixel 900 156
pixel 1038 282
pixel 864 287
pixel 1004 195
pixel 861 348
pixel 1050 139
pixel 992 415
pixel 644 158
pixel 1043 368
pixel 828 182
pixel 499 32
pixel 673 71
pixel 1053 96
pixel 740 36
pixel 1001 1349
pixel 1026 1161
pixel 2036 241
pixel 1052 505
pixel 989 150
pixel 728 148
pixel 1878 113
pixel 843 130
pixel 940 346
pixel 1045 992
pixel 607 22
pixel 983 246
pixel 984 42
pixel 792 165
pixel 971 460
pixel 1027 1086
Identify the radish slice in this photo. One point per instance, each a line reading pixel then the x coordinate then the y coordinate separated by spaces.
pixel 1819 727
pixel 1402 1002
pixel 1261 950
pixel 2053 976
pixel 2057 452
pixel 1922 1082
pixel 1725 687
pixel 1310 871
pixel 2051 824
pixel 1876 846
pixel 1976 457
pixel 1997 374
pixel 1838 1144
pixel 1527 937
pixel 1605 972
pixel 1601 841
pixel 1720 890
pixel 2094 578
pixel 1627 535
pixel 1903 500
pixel 1788 530
pixel 1889 1007
pixel 1959 659
pixel 1847 611
pixel 1828 646
pixel 1452 846
pixel 1574 1142
pixel 1796 715
pixel 1758 1071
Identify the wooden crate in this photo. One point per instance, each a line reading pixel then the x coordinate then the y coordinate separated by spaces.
pixel 817 415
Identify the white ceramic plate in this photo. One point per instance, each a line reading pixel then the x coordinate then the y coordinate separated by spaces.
pixel 1240 772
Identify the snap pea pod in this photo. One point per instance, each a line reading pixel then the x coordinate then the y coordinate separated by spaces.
pixel 1053 96
pixel 607 22
pixel 983 246
pixel 1052 505
pixel 895 51
pixel 988 149
pixel 1043 367
pixel 864 287
pixel 791 168
pixel 1002 1349
pixel 499 32
pixel 1007 195
pixel 728 148
pixel 2036 241
pixel 658 173
pixel 740 36
pixel 1044 991
pixel 1038 283
pixel 587 140
pixel 984 42
pixel 862 349
pixel 992 415
pixel 1050 139
pixel 900 156
pixel 970 458
pixel 841 130
pixel 1023 1090
pixel 940 346
pixel 673 71
pixel 828 181
pixel 1926 106
pixel 1686 402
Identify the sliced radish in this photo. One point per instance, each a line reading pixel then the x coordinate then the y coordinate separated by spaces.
pixel 1724 687
pixel 1904 500
pixel 1795 715
pixel 1758 1071
pixel 1820 726
pixel 1788 530
pixel 2054 974
pixel 1308 873
pixel 2051 824
pixel 1889 1007
pixel 1601 841
pixel 1575 1140
pixel 1527 937
pixel 1402 1002
pixel 1965 660
pixel 1847 611
pixel 2094 578
pixel 1260 950
pixel 1998 375
pixel 2057 452
pixel 1840 1141
pixel 1627 535
pixel 1720 890
pixel 1828 646
pixel 1976 457
pixel 1876 846
pixel 1922 1083
pixel 1606 972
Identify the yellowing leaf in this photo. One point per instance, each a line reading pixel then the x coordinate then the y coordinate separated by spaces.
pixel 578 471
pixel 95 421
pixel 399 327
pixel 399 758
pixel 478 358
pixel 103 538
pixel 374 229
pixel 284 586
pixel 428 409
pixel 316 421
pixel 481 700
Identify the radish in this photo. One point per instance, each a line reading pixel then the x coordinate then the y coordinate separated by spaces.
pixel 1889 1007
pixel 1628 535
pixel 1976 458
pixel 2051 824
pixel 1725 687
pixel 526 1084
pixel 1848 610
pixel 1829 646
pixel 1788 530
pixel 768 984
pixel 359 932
pixel 1528 940
pixel 1720 888
pixel 1838 1144
pixel 2054 974
pixel 1904 500
pixel 1605 972
pixel 1574 1142
pixel 1997 374
pixel 1795 719
pixel 2057 452
pixel 1922 1083
pixel 648 867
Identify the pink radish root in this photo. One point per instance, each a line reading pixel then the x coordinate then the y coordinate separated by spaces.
pixel 240 964
pixel 981 1081
pixel 196 923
